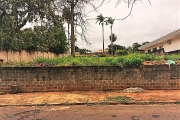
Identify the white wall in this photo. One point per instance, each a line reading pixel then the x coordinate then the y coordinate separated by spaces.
pixel 175 45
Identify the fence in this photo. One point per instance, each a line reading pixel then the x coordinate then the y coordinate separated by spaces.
pixel 16 56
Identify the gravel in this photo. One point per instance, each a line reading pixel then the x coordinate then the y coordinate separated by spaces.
pixel 133 90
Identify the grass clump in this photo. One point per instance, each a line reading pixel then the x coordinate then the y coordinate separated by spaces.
pixel 120 99
pixel 173 57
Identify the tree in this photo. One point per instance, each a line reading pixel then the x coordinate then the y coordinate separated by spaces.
pixel 83 50
pixel 110 21
pixel 78 18
pixel 129 49
pixel 115 48
pixel 16 13
pixel 101 20
pixel 113 37
pixel 121 52
pixel 145 43
pixel 52 39
pixel 57 40
pixel 135 46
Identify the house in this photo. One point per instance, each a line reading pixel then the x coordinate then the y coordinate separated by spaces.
pixel 169 43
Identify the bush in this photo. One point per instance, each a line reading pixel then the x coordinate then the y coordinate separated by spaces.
pixel 146 57
pixel 121 52
pixel 133 59
pixel 172 57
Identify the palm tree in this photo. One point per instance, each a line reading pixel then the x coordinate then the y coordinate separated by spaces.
pixel 110 21
pixel 101 20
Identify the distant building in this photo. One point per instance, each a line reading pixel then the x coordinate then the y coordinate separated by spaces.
pixel 169 43
pixel 101 51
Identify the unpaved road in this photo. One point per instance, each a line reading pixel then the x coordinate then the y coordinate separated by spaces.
pixel 105 112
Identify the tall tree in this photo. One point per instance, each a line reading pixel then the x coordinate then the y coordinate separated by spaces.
pixel 79 18
pixel 110 21
pixel 101 20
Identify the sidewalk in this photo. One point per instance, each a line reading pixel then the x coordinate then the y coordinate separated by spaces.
pixel 88 97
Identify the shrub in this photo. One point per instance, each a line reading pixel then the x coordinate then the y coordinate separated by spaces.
pixel 172 57
pixel 121 52
pixel 133 59
pixel 146 57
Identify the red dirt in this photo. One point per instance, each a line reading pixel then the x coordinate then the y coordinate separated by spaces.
pixel 86 97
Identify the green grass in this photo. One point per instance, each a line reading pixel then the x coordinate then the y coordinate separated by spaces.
pixel 120 99
pixel 131 59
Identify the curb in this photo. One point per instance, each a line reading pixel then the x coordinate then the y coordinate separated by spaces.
pixel 96 103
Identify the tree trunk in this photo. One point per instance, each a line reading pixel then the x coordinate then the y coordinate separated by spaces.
pixel 72 30
pixel 1 16
pixel 111 42
pixel 68 38
pixel 103 36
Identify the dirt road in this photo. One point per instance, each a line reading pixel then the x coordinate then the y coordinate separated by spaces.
pixel 118 112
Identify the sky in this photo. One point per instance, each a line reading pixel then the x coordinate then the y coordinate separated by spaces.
pixel 147 23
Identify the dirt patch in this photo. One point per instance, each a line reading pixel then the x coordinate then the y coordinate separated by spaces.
pixel 86 97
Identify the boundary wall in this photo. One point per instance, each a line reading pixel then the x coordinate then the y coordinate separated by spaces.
pixel 88 78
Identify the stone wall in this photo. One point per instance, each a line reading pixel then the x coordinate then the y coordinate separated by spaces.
pixel 83 78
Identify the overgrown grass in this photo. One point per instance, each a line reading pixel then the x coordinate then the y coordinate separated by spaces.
pixel 131 59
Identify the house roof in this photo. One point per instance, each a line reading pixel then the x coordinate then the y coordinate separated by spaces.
pixel 161 39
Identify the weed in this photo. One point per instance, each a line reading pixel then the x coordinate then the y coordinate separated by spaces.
pixel 121 99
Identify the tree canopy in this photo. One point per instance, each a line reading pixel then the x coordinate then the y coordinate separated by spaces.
pixel 48 34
